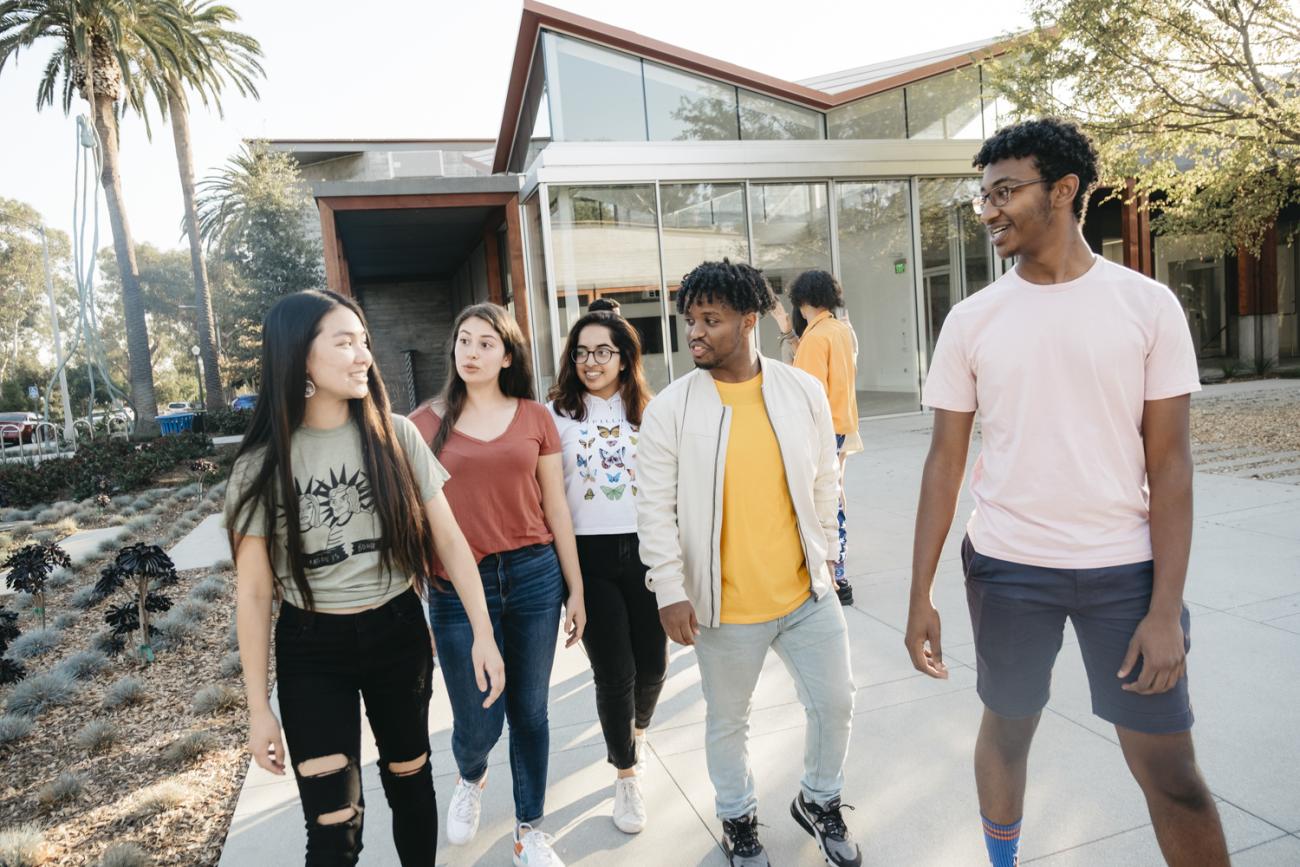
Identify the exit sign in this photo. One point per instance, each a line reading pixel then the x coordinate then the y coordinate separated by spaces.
pixel 900 266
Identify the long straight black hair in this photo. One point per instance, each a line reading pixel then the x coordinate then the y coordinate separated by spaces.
pixel 515 380
pixel 290 326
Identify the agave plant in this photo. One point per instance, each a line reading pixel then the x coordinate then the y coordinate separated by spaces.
pixel 11 670
pixel 203 468
pixel 146 569
pixel 30 567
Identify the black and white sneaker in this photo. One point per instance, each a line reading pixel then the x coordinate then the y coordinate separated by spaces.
pixel 740 842
pixel 826 826
pixel 844 590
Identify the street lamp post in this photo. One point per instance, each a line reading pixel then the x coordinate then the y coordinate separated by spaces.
pixel 198 370
pixel 69 430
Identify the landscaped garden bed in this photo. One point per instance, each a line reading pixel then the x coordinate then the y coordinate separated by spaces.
pixel 126 746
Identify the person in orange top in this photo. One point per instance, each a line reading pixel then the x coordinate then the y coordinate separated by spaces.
pixel 827 351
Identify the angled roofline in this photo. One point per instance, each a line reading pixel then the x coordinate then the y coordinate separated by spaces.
pixel 538 16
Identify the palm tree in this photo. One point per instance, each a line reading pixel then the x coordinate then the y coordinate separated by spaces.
pixel 211 54
pixel 95 42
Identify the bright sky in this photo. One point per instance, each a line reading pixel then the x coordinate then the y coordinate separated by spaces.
pixel 416 69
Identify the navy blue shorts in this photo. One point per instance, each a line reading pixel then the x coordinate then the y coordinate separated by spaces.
pixel 1018 613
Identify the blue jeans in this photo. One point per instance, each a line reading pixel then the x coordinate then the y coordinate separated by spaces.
pixel 813 642
pixel 524 590
pixel 840 577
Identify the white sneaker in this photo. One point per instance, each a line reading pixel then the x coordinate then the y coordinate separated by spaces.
pixel 463 812
pixel 639 767
pixel 629 806
pixel 533 848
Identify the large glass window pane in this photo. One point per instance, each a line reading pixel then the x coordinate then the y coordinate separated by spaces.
pixel 1191 265
pixel 539 315
pixel 879 116
pixel 956 256
pixel 606 245
pixel 946 106
pixel 682 107
pixel 701 223
pixel 792 233
pixel 876 270
pixel 595 94
pixel 762 117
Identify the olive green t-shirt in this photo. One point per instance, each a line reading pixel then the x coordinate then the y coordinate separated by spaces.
pixel 341 533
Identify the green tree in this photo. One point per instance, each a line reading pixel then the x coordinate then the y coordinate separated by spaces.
pixel 1198 100
pixel 94 44
pixel 166 284
pixel 25 329
pixel 213 56
pixel 258 215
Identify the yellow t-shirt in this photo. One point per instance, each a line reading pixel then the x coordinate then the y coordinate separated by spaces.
pixel 763 571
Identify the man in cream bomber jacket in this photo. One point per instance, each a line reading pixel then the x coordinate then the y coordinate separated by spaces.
pixel 737 520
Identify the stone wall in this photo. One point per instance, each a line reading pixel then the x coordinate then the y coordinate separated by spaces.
pixel 406 316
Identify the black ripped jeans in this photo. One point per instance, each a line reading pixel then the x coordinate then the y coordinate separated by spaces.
pixel 624 640
pixel 324 663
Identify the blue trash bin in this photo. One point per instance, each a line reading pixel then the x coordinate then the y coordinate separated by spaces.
pixel 175 423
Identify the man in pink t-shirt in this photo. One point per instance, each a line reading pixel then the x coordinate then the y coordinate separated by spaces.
pixel 1080 371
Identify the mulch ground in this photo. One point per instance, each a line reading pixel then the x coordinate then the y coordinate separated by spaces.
pixel 1266 420
pixel 191 828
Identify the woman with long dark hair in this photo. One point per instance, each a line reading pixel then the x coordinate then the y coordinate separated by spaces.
pixel 597 403
pixel 336 507
pixel 507 491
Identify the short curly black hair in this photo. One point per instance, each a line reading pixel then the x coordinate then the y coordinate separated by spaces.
pixel 818 289
pixel 741 287
pixel 1059 148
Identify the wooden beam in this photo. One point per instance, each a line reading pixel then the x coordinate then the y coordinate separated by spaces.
pixel 330 246
pixel 492 253
pixel 518 278
pixel 416 200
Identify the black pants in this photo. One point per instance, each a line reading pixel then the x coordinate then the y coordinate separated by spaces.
pixel 324 663
pixel 624 640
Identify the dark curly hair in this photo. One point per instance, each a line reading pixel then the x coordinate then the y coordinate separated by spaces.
pixel 817 289
pixel 1059 148
pixel 741 287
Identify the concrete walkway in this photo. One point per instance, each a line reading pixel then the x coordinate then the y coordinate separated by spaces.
pixel 909 766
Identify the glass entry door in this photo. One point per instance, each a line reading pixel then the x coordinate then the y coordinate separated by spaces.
pixel 956 255
pixel 876 270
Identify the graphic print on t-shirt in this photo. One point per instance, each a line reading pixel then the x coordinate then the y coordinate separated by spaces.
pixel 612 463
pixel 332 503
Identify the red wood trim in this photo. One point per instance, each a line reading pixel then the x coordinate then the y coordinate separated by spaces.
pixel 518 277
pixel 492 253
pixel 415 200
pixel 330 246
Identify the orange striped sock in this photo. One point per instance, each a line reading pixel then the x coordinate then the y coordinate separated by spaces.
pixel 1003 842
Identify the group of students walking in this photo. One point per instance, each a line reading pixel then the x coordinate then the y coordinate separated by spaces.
pixel 712 515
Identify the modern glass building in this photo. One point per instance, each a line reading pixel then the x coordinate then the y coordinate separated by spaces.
pixel 623 162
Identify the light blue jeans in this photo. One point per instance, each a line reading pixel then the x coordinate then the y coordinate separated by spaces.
pixel 813 642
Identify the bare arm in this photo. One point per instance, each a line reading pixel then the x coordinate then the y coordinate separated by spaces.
pixel 555 506
pixel 945 467
pixel 1159 639
pixel 458 560
pixel 254 593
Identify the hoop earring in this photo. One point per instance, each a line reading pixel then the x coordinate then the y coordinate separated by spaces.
pixel 310 389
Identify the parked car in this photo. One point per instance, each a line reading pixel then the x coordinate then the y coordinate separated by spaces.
pixel 18 427
pixel 244 401
pixel 178 406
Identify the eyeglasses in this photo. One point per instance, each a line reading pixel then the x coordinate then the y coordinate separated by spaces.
pixel 602 355
pixel 1000 195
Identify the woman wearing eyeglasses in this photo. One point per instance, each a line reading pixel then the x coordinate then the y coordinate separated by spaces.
pixel 597 403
